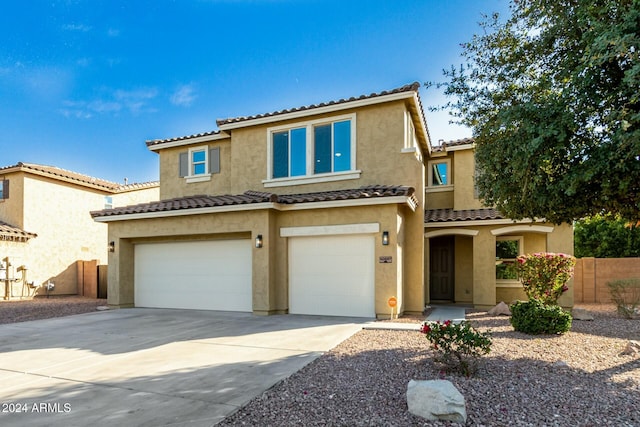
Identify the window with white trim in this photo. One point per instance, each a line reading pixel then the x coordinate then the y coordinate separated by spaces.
pixel 439 173
pixel 507 250
pixel 321 149
pixel 199 163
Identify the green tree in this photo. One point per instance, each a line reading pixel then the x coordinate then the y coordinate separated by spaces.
pixel 606 236
pixel 552 96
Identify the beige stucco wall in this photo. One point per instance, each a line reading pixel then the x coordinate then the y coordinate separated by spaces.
pixel 270 263
pixel 464 180
pixel 475 261
pixel 380 136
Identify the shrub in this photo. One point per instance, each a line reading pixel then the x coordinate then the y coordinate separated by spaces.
pixel 544 275
pixel 626 295
pixel 534 317
pixel 459 345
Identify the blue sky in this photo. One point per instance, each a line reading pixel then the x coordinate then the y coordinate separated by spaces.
pixel 83 84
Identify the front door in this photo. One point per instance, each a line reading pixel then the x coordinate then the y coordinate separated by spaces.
pixel 441 268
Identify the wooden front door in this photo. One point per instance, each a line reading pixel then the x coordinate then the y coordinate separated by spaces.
pixel 441 268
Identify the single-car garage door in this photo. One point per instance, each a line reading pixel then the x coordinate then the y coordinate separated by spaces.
pixel 202 275
pixel 332 275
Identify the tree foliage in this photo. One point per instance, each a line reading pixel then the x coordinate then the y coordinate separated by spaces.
pixel 551 94
pixel 606 236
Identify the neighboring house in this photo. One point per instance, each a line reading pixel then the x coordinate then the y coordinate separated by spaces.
pixel 45 226
pixel 312 210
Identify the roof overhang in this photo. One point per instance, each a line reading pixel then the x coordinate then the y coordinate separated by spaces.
pixel 189 140
pixel 408 200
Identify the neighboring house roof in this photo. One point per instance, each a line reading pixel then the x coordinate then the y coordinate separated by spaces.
pixel 450 215
pixel 255 197
pixel 404 92
pixel 76 178
pixel 452 145
pixel 9 232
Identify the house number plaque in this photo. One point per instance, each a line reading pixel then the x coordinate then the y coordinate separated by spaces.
pixel 385 259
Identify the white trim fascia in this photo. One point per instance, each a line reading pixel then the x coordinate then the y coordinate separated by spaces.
pixel 460 147
pixel 473 223
pixel 325 230
pixel 457 232
pixel 317 110
pixel 311 179
pixel 198 178
pixel 257 206
pixel 189 141
pixel 522 228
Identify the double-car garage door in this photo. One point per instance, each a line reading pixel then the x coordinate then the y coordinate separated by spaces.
pixel 328 275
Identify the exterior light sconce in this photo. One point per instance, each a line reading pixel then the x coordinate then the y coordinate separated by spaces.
pixel 385 238
pixel 112 246
pixel 259 241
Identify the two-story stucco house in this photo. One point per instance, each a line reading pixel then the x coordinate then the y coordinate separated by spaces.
pixel 45 227
pixel 326 209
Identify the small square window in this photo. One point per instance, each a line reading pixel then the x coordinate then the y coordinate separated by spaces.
pixel 108 202
pixel 439 173
pixel 198 162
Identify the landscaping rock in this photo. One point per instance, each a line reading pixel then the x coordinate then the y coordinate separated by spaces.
pixel 632 349
pixel 436 400
pixel 501 309
pixel 581 314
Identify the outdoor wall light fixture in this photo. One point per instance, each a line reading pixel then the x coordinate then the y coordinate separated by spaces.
pixel 385 238
pixel 112 246
pixel 259 241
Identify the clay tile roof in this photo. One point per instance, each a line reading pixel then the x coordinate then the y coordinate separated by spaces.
pixel 413 87
pixel 153 142
pixel 443 145
pixel 66 175
pixel 449 215
pixel 9 232
pixel 250 197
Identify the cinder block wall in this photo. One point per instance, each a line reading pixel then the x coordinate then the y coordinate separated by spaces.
pixel 593 274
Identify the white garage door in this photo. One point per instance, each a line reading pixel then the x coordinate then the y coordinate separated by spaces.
pixel 332 275
pixel 202 275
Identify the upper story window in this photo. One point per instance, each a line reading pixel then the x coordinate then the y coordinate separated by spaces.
pixel 197 164
pixel 4 189
pixel 314 151
pixel 108 202
pixel 439 173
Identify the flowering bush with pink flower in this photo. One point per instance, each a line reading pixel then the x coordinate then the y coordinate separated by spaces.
pixel 459 344
pixel 544 275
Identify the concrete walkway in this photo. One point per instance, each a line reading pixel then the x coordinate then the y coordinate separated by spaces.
pixel 441 313
pixel 152 367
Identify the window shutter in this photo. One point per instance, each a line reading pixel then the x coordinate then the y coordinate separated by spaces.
pixel 184 164
pixel 5 189
pixel 214 160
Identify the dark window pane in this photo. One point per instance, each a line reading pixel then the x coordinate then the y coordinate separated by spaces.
pixel 507 249
pixel 298 152
pixel 280 154
pixel 440 175
pixel 322 149
pixel 342 146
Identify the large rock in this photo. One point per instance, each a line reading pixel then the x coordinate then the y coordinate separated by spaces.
pixel 436 400
pixel 500 309
pixel 581 314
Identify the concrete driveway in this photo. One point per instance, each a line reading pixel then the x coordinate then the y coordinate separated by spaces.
pixel 152 367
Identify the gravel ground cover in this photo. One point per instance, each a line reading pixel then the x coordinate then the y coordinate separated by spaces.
pixel 45 308
pixel 577 379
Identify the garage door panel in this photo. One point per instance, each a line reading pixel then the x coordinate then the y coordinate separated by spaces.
pixel 205 275
pixel 332 275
